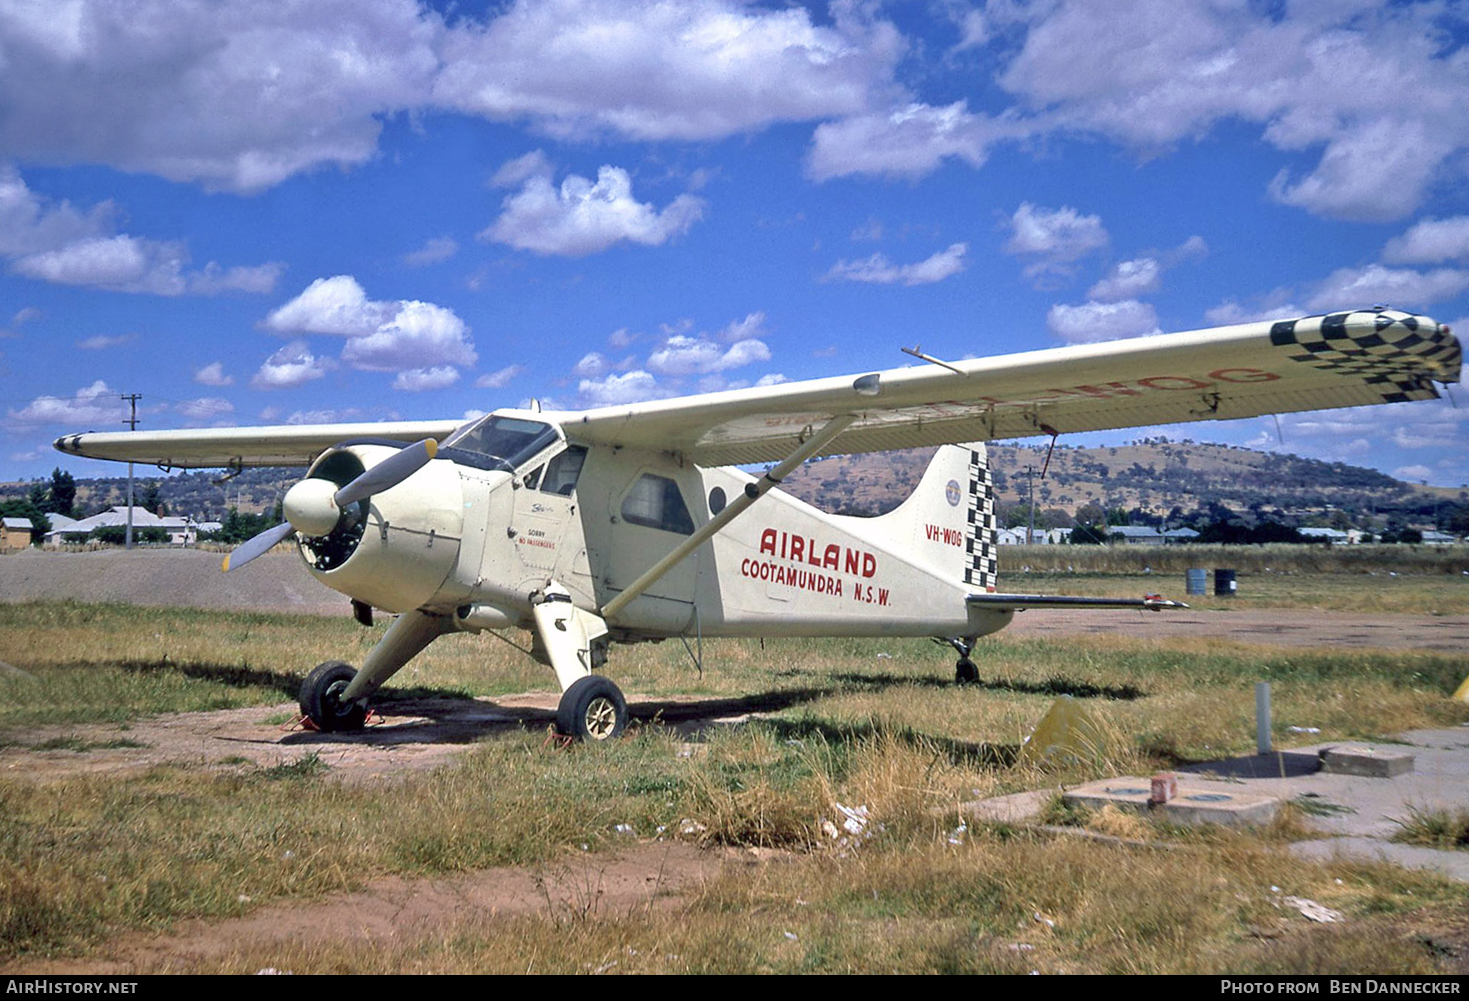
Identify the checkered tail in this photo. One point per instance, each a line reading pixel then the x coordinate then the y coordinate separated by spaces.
pixel 981 569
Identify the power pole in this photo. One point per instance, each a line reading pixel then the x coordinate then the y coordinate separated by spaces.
pixel 1030 528
pixel 132 423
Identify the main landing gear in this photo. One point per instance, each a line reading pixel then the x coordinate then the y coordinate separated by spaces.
pixel 592 709
pixel 965 673
pixel 321 700
pixel 572 641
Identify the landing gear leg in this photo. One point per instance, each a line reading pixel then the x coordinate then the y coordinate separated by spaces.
pixel 965 673
pixel 592 707
pixel 334 696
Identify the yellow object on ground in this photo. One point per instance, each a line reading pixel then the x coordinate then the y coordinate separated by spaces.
pixel 1066 731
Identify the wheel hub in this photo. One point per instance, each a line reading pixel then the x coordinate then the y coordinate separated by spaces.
pixel 601 718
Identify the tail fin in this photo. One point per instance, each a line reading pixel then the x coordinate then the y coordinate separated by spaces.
pixel 948 523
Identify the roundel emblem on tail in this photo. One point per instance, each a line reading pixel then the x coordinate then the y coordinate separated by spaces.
pixel 951 493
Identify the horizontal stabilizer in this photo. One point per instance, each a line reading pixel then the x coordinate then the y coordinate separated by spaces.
pixel 1020 602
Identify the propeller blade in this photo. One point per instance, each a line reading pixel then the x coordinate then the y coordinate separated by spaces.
pixel 251 548
pixel 388 473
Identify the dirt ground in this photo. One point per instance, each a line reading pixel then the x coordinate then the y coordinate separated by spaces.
pixel 422 734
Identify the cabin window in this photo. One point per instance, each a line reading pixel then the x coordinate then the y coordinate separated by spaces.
pixel 562 472
pixel 655 502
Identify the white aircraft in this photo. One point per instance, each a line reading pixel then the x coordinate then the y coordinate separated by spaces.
pixel 627 523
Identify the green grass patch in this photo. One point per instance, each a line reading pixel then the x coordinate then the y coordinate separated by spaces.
pixel 1442 828
pixel 82 746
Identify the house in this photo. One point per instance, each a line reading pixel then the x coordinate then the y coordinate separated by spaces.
pixel 15 533
pixel 181 531
pixel 1330 536
pixel 1135 535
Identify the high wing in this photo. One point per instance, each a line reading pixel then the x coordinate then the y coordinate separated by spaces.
pixel 286 445
pixel 1313 363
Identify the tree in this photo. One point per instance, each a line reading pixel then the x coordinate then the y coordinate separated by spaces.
pixel 63 493
pixel 152 498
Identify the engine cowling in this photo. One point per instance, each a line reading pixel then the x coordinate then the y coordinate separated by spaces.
pixel 393 549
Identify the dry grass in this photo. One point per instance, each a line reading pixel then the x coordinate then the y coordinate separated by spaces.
pixel 1435 828
pixel 853 723
pixel 991 904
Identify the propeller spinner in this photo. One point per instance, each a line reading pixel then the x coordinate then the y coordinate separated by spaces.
pixel 314 506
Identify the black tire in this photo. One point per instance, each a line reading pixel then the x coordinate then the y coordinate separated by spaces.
pixel 319 698
pixel 965 673
pixel 592 709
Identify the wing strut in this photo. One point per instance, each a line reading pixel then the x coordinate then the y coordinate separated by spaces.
pixel 735 508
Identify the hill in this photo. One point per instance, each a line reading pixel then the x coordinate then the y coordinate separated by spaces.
pixel 1149 478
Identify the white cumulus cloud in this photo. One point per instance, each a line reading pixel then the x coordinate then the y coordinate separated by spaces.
pixel 229 93
pixel 291 366
pixel 630 387
pixel 95 406
pixel 417 380
pixel 677 69
pixel 382 335
pixel 1431 241
pixel 1054 239
pixel 1102 321
pixel 499 378
pixel 582 216
pixel 59 243
pixel 1374 87
pixel 1405 288
pixel 1128 280
pixel 204 410
pixel 213 374
pixel 683 355
pixel 877 269
pixel 908 142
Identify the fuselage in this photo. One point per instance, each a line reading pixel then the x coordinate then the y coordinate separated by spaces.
pixel 511 503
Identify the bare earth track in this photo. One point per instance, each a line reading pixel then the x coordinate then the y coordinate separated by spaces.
pixel 423 733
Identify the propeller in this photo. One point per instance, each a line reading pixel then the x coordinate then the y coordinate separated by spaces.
pixel 314 505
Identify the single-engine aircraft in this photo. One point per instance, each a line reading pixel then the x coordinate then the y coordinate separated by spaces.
pixel 631 523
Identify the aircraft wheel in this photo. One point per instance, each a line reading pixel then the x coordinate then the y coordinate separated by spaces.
pixel 965 673
pixel 320 694
pixel 592 709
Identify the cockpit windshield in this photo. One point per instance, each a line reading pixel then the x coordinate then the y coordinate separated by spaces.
pixel 512 440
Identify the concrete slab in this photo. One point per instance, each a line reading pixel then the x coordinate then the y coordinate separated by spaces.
pixel 1018 808
pixel 1199 801
pixel 1454 864
pixel 1354 815
pixel 1351 805
pixel 1367 762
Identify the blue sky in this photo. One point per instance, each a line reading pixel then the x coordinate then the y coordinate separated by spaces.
pixel 329 210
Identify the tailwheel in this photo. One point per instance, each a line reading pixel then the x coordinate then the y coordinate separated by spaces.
pixel 592 709
pixel 321 698
pixel 965 673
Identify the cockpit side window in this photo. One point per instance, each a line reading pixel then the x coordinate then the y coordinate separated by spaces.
pixel 655 502
pixel 562 471
pixel 512 440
